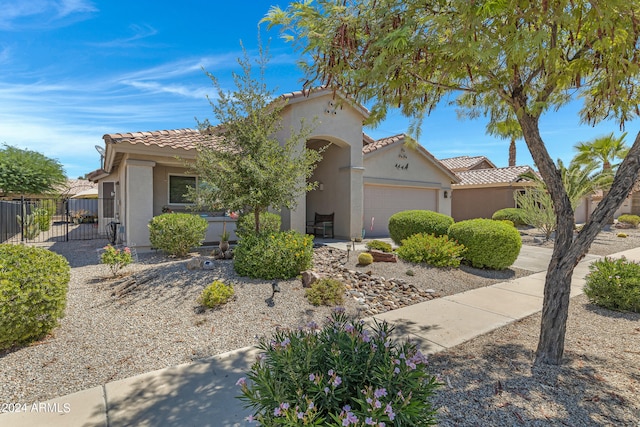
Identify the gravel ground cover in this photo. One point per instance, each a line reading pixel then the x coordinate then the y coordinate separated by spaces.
pixel 149 319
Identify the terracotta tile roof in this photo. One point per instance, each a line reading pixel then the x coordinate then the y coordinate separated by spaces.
pixel 366 139
pixel 463 163
pixel 75 186
pixel 374 145
pixel 488 177
pixel 186 139
pixel 323 90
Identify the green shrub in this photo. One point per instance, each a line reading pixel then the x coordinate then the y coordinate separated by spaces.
pixel 379 245
pixel 508 222
pixel 246 224
pixel 217 293
pixel 33 293
pixel 46 210
pixel 326 292
pixel 614 284
pixel 281 255
pixel 436 251
pixel 334 375
pixel 515 215
pixel 176 233
pixel 633 220
pixel 407 223
pixel 622 235
pixel 490 244
pixel 365 258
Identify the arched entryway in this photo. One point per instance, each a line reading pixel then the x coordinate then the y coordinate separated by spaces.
pixel 333 193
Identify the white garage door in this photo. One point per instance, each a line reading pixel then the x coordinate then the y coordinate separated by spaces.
pixel 381 201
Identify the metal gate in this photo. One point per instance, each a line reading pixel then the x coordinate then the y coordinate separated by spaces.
pixel 49 220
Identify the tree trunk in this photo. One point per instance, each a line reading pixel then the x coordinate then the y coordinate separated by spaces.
pixel 567 252
pixel 256 216
pixel 512 152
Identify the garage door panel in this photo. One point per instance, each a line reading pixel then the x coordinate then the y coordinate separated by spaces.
pixel 380 202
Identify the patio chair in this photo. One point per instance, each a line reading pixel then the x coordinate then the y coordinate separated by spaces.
pixel 321 226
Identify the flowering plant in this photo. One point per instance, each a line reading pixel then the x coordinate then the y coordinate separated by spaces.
pixel 339 375
pixel 116 258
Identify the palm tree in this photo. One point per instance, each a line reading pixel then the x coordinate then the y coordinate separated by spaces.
pixel 604 150
pixel 509 128
pixel 579 180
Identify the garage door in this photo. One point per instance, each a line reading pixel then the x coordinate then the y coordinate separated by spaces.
pixel 381 201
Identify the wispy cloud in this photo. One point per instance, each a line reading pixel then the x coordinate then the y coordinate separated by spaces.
pixel 5 54
pixel 43 14
pixel 174 89
pixel 139 33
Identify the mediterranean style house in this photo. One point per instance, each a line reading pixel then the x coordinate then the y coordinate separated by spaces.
pixel 362 181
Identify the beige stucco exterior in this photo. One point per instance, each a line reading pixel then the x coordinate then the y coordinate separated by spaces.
pixel 142 167
pixel 469 203
pixel 337 125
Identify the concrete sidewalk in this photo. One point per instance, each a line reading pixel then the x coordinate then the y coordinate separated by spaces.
pixel 203 393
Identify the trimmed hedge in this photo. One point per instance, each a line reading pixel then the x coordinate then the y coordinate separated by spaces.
pixel 490 244
pixel 268 256
pixel 176 233
pixel 436 251
pixel 614 284
pixel 633 220
pixel 33 293
pixel 407 223
pixel 514 215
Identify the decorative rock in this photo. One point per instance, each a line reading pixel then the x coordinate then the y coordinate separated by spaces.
pixel 379 256
pixel 373 294
pixel 309 278
pixel 194 263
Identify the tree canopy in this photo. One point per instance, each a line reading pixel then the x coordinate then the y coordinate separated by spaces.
pixel 243 166
pixel 28 172
pixel 496 58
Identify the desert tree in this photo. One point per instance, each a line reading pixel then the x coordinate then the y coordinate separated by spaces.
pixel 495 58
pixel 241 164
pixel 25 171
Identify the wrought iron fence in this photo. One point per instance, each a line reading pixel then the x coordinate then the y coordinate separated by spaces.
pixel 49 220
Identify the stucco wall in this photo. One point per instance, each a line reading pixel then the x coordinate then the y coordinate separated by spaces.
pixel 403 166
pixel 402 163
pixel 340 124
pixel 480 202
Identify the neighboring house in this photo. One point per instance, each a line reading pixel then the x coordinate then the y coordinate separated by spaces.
pixel 630 205
pixel 483 188
pixel 143 173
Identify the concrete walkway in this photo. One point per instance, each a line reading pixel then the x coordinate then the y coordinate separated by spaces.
pixel 203 393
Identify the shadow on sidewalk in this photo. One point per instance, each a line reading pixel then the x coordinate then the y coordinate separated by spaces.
pixel 198 394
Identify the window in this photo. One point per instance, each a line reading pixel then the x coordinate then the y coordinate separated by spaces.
pixel 178 188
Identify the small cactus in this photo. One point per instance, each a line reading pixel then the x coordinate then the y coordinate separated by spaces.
pixel 365 258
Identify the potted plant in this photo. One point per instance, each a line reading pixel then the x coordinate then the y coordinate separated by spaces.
pixel 224 238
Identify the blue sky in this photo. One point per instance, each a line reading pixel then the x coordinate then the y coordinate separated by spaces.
pixel 73 70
